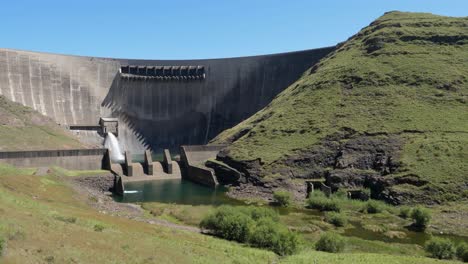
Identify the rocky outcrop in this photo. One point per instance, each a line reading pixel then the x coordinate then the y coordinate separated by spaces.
pixel 346 159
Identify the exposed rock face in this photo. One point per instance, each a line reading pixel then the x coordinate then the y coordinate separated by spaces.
pixel 346 160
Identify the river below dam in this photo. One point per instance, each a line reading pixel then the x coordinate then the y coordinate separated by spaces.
pixel 179 192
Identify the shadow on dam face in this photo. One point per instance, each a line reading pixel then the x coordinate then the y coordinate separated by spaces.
pixel 153 113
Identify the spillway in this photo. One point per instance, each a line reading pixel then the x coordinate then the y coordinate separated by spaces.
pixel 159 103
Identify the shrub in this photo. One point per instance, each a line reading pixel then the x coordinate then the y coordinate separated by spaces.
pixel 257 213
pixel 98 228
pixel 330 242
pixel 66 219
pixel 374 207
pixel 405 212
pixel 318 200
pixel 341 193
pixel 462 252
pixel 283 198
pixel 229 223
pixel 440 248
pixel 2 245
pixel 421 217
pixel 271 235
pixel 256 225
pixel 365 194
pixel 336 219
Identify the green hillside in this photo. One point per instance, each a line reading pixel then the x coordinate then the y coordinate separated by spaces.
pixel 387 109
pixel 43 220
pixel 22 128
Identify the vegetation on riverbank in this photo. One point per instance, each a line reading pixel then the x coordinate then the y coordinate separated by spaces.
pixel 42 220
pixel 46 218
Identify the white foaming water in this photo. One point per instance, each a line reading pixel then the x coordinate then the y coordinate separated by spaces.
pixel 112 144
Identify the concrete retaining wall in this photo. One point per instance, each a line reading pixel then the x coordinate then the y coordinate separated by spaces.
pixel 152 113
pixel 73 159
pixel 192 161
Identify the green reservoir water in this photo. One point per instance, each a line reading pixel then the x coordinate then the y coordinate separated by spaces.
pixel 184 192
pixel 174 191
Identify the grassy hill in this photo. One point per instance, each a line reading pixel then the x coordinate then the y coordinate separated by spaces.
pixel 22 128
pixel 387 109
pixel 43 220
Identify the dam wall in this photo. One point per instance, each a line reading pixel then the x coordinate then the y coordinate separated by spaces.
pixel 159 103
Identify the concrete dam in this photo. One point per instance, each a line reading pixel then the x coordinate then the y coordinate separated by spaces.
pixel 159 103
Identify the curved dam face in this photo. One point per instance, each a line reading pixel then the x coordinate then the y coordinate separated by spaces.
pixel 159 103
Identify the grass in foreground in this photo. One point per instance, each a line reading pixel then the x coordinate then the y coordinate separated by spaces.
pixel 42 221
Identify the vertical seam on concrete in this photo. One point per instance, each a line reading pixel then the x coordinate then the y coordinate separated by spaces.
pixel 20 79
pixel 60 95
pixel 41 92
pixel 30 84
pixel 12 94
pixel 52 92
pixel 80 100
pixel 72 104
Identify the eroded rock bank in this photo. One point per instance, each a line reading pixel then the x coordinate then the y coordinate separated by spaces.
pixel 345 160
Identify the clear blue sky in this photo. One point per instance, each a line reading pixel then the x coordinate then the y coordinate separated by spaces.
pixel 176 29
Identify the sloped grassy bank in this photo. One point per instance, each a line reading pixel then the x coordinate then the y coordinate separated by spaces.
pixel 386 110
pixel 22 128
pixel 43 220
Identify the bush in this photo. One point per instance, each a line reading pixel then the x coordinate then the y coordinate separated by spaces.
pixel 405 212
pixel 98 228
pixel 271 235
pixel 229 223
pixel 257 213
pixel 330 242
pixel 318 200
pixel 341 193
pixel 462 252
pixel 440 248
pixel 2 245
pixel 336 219
pixel 374 207
pixel 256 225
pixel 283 198
pixel 421 217
pixel 365 194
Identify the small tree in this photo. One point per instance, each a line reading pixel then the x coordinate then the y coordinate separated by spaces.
pixel 462 252
pixel 440 248
pixel 274 236
pixel 374 207
pixel 405 212
pixel 2 245
pixel 229 223
pixel 330 242
pixel 282 197
pixel 336 219
pixel 318 200
pixel 421 217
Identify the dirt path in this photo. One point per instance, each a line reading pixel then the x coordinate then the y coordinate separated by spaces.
pixel 94 191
